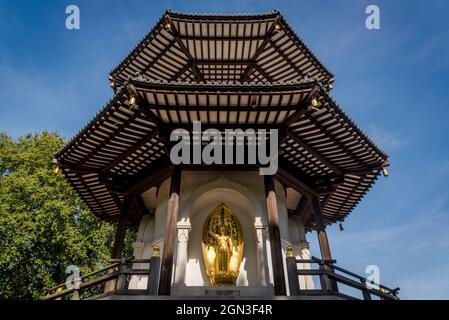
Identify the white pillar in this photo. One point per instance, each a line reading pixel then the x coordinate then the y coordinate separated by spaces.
pixel 139 281
pixel 262 262
pixel 301 251
pixel 183 229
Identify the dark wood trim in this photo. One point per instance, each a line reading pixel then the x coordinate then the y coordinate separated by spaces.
pixel 151 178
pixel 170 233
pixel 220 38
pixel 69 167
pixel 275 237
pixel 321 230
pixel 138 210
pixel 231 126
pixel 304 210
pixel 119 239
pixel 141 205
pixel 302 107
pixel 188 17
pixel 291 179
pixel 323 243
pixel 221 167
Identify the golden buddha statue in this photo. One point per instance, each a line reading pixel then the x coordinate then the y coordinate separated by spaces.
pixel 222 246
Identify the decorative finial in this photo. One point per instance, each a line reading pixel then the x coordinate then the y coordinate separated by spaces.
pixel 156 252
pixel 132 101
pixel 290 251
pixel 314 104
pixel 277 27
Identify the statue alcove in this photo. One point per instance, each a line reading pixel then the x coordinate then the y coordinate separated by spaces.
pixel 245 212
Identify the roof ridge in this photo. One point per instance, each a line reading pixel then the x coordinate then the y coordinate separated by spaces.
pixel 223 14
pixel 290 32
pixel 152 29
pixel 305 80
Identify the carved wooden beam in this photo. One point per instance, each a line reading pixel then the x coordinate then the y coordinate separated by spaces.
pixel 258 52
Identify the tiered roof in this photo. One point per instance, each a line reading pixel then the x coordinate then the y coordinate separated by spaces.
pixel 227 71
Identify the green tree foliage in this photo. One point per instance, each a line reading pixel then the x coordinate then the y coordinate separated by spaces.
pixel 44 226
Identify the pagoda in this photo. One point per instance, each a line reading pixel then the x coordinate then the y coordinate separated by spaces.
pixel 222 228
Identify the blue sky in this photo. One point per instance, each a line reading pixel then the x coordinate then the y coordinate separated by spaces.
pixel 393 82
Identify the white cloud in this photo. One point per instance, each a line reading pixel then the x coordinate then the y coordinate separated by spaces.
pixel 388 140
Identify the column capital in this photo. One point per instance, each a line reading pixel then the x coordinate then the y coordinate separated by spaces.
pixel 261 232
pixel 138 244
pixel 184 225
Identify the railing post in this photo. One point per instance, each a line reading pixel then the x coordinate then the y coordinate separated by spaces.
pixel 365 291
pixel 153 275
pixel 121 279
pixel 292 272
pixel 60 289
pixel 76 295
pixel 324 278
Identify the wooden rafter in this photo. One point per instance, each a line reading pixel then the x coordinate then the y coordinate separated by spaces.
pixel 158 56
pixel 310 150
pixel 111 136
pixel 258 52
pixel 302 107
pixel 153 135
pixel 330 136
pixel 285 58
pixel 185 50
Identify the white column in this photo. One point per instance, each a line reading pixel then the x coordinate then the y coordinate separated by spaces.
pixel 181 252
pixel 301 251
pixel 138 281
pixel 262 262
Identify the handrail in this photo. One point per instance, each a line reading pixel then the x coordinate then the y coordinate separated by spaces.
pixel 83 286
pixel 111 266
pixel 329 278
pixel 116 275
pixel 363 279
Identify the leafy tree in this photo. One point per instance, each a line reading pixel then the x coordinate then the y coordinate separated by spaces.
pixel 44 226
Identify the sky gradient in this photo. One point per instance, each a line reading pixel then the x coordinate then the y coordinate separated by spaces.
pixel 393 82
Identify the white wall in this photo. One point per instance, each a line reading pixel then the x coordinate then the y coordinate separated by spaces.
pixel 201 192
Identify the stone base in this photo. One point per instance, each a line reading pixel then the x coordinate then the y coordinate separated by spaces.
pixel 223 291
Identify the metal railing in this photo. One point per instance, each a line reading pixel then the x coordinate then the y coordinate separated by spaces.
pixel 113 279
pixel 329 280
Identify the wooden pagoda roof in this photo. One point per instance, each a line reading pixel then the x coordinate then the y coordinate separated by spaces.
pixel 124 145
pixel 231 48
pixel 123 150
